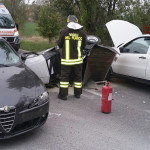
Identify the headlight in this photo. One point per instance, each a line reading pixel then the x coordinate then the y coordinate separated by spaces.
pixel 16 33
pixel 40 100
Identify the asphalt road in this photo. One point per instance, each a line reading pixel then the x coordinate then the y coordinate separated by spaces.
pixel 79 124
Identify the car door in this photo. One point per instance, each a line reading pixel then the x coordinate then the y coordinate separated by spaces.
pixel 38 65
pixel 133 58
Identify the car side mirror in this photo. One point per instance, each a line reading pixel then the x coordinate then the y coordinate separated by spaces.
pixel 17 26
pixel 121 49
pixel 124 50
pixel 23 57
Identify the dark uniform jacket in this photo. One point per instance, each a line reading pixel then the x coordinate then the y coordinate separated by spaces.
pixel 72 43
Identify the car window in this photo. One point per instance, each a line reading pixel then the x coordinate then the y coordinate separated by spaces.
pixel 7 55
pixel 138 46
pixel 6 21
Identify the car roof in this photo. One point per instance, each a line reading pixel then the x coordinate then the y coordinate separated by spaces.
pixel 145 35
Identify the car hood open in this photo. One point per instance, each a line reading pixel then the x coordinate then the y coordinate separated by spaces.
pixel 18 86
pixel 122 31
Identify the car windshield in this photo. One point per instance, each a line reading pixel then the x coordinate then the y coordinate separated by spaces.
pixel 7 55
pixel 6 21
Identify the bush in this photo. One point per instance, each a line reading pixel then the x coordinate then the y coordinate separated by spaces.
pixel 50 22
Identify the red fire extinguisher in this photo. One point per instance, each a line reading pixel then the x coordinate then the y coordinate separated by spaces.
pixel 106 98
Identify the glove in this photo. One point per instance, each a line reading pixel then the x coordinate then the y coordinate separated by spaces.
pixel 86 52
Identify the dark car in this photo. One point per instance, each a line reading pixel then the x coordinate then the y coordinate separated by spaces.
pixel 24 100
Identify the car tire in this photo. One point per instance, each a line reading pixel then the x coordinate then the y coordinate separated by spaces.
pixel 91 39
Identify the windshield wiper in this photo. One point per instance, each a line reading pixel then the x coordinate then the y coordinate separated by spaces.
pixel 3 65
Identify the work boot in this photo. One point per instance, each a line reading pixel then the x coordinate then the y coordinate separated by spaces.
pixel 62 98
pixel 77 96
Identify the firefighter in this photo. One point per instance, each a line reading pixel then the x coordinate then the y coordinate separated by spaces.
pixel 72 42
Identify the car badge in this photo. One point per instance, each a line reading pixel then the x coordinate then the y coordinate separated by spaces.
pixel 6 108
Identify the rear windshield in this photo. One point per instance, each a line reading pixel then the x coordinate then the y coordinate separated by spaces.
pixel 7 55
pixel 6 21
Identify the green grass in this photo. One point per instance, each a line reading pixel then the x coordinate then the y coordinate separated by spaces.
pixel 28 43
pixel 29 29
pixel 35 46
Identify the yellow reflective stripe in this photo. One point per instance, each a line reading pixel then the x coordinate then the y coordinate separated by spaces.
pixel 66 83
pixel 67 44
pixel 79 49
pixel 78 86
pixel 78 83
pixel 67 19
pixel 71 60
pixel 64 86
pixel 71 63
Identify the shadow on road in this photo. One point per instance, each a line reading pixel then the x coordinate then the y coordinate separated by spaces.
pixel 129 83
pixel 18 139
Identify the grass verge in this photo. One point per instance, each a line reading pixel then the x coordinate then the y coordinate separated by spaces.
pixel 35 46
pixel 31 41
pixel 29 29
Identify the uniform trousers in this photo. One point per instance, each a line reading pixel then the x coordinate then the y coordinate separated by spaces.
pixel 75 71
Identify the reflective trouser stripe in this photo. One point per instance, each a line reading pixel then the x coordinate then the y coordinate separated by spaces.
pixel 78 84
pixel 79 49
pixel 64 84
pixel 67 46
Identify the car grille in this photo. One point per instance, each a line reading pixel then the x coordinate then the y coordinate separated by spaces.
pixel 10 39
pixel 7 119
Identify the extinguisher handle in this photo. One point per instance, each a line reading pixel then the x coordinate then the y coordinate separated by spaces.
pixel 107 83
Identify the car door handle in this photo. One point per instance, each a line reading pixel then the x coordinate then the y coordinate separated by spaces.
pixel 142 57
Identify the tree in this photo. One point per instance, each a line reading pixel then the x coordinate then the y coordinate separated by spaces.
pixel 33 11
pixel 89 15
pixel 50 22
pixel 65 7
pixel 96 13
pixel 137 12
pixel 17 9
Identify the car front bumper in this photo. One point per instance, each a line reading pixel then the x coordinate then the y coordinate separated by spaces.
pixel 26 120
